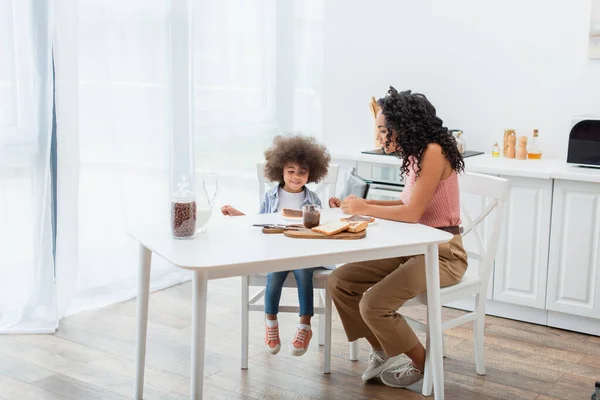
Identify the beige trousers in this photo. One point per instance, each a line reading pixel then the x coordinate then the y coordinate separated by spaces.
pixel 367 294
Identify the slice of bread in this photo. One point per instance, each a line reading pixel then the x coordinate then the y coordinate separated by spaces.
pixel 331 227
pixel 358 218
pixel 356 227
pixel 286 212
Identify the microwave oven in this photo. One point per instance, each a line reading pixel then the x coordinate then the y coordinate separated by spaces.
pixel 584 141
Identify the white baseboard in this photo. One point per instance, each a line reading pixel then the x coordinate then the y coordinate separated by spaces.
pixel 575 323
pixel 505 310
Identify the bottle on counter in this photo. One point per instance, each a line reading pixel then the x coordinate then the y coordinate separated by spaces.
pixel 522 152
pixel 496 150
pixel 533 152
pixel 460 142
pixel 507 134
pixel 511 151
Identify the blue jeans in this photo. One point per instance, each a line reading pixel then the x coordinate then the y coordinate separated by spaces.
pixel 275 282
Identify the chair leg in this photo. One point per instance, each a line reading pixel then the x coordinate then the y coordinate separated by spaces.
pixel 327 318
pixel 245 319
pixel 443 346
pixel 321 327
pixel 478 332
pixel 354 351
pixel 427 389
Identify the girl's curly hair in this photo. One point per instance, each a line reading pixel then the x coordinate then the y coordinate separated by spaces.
pixel 412 117
pixel 296 149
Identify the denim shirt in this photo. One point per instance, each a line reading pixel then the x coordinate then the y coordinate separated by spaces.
pixel 271 200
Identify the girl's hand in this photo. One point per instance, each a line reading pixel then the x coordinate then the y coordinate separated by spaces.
pixel 352 196
pixel 230 211
pixel 354 206
pixel 334 202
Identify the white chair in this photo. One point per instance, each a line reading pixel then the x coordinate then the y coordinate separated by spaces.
pixel 473 282
pixel 325 189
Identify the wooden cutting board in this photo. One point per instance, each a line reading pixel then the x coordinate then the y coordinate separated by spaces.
pixel 280 230
pixel 308 234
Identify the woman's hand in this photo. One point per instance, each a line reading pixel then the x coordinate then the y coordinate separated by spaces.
pixel 354 206
pixel 230 211
pixel 334 202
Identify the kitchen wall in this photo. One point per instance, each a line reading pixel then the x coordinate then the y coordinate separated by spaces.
pixel 485 65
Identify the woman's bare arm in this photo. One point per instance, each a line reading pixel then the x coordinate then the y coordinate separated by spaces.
pixel 433 166
pixel 385 203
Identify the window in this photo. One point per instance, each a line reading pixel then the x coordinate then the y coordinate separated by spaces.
pixel 235 64
pixel 16 86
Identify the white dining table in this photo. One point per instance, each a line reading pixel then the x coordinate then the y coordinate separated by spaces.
pixel 233 247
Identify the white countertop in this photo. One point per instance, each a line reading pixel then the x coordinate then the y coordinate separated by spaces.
pixel 546 168
pixel 370 158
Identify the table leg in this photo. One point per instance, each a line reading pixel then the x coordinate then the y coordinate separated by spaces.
pixel 199 283
pixel 245 320
pixel 143 289
pixel 327 317
pixel 434 316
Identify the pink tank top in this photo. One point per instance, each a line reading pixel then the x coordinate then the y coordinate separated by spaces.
pixel 444 208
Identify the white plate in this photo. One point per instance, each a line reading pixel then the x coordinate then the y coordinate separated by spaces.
pixel 291 219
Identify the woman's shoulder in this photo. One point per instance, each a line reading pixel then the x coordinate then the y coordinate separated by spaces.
pixel 434 154
pixel 436 160
pixel 433 149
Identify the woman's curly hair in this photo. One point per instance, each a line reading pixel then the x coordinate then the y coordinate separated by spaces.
pixel 412 117
pixel 296 149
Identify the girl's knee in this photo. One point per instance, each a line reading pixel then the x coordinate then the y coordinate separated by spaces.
pixel 275 275
pixel 304 274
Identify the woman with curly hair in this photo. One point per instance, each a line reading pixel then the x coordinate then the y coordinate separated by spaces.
pixel 293 161
pixel 367 294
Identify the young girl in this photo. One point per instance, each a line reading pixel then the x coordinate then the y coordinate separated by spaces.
pixel 293 161
pixel 408 126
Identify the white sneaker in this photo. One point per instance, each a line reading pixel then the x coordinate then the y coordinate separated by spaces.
pixel 401 376
pixel 376 365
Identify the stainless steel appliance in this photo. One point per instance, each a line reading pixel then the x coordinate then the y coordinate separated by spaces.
pixel 383 191
pixel 468 153
pixel 584 141
pixel 384 180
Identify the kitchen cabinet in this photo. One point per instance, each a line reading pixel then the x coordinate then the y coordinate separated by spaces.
pixel 522 260
pixel 574 264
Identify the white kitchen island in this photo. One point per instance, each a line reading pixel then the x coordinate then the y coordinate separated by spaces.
pixel 547 269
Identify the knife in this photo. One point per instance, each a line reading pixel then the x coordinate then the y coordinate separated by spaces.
pixel 278 226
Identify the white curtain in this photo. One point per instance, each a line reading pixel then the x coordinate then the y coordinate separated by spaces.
pixel 27 292
pixel 143 89
pixel 255 71
pixel 112 108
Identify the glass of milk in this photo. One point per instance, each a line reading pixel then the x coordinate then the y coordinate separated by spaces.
pixel 207 189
